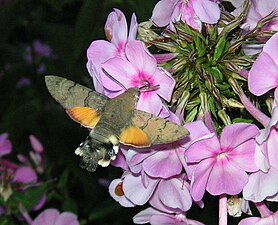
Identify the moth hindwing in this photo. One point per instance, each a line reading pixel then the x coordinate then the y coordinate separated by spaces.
pixel 112 121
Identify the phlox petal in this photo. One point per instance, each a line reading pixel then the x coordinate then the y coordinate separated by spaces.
pixel 135 191
pixel 99 51
pixel 121 70
pixel 165 220
pixel 53 217
pixel 249 221
pixel 163 164
pixel 162 12
pixel 36 144
pixel 225 178
pixel 67 218
pixel 236 134
pixel 263 75
pixel 271 46
pixel 5 145
pixel 145 215
pixel 133 28
pixel 120 161
pixel 166 83
pixel 272 144
pixel 149 102
pixel 47 217
pixel 116 27
pixel 202 149
pixel 25 175
pixel 174 194
pixel 261 185
pixel 206 10
pixel 138 55
pixel 123 201
pixel 196 129
pixel 261 158
pixel 243 156
pixel 200 178
pixel 264 134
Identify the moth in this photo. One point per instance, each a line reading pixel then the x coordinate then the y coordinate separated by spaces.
pixel 111 121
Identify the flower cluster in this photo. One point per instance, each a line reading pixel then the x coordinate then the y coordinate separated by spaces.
pixel 21 190
pixel 214 73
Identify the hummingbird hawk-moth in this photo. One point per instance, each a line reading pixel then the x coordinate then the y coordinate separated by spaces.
pixel 112 121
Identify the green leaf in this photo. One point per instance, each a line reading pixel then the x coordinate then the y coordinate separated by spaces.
pixel 212 106
pixel 216 73
pixel 242 120
pixel 63 180
pixel 31 196
pixel 191 115
pixel 219 48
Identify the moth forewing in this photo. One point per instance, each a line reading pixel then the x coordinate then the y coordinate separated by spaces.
pixel 70 94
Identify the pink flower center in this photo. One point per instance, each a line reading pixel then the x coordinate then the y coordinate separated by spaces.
pixel 142 80
pixel 121 49
pixel 222 155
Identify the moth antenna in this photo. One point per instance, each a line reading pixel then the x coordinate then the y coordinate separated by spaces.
pixel 112 78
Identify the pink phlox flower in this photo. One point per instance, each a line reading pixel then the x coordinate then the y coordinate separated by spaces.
pixel 25 174
pixel 172 195
pixel 132 189
pixel 101 50
pixel 259 9
pixel 266 159
pixel 161 163
pixel 267 220
pixel 157 217
pixel 220 166
pixel 5 145
pixel 54 217
pixel 263 75
pixel 137 70
pixel 193 12
pixel 117 193
pixel 37 155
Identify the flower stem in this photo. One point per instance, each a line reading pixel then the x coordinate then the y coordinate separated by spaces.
pixel 223 216
pixel 249 106
pixel 255 112
pixel 25 214
pixel 264 211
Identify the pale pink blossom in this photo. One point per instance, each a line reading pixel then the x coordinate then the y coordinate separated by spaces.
pixel 267 220
pixel 139 69
pixel 5 145
pixel 263 75
pixel 266 158
pixel 101 50
pixel 54 217
pixel 193 12
pixel 220 166
pixel 157 217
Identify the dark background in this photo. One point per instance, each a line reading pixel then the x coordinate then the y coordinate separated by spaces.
pixel 68 27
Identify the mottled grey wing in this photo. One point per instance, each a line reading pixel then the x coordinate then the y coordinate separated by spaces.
pixel 159 130
pixel 70 94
